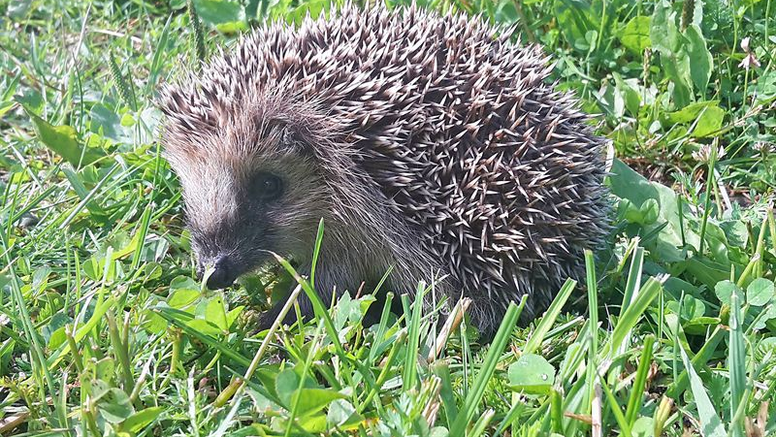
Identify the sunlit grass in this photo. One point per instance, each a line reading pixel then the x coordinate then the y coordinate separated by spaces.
pixel 104 328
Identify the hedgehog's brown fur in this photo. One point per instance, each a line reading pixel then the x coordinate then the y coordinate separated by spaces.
pixel 426 142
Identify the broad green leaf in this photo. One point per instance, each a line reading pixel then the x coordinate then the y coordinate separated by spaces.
pixel 759 292
pixel 182 298
pixel 576 18
pixel 649 211
pixel 701 62
pixel 635 35
pixel 215 313
pixel 439 431
pixel 630 96
pixel 663 32
pixel 99 389
pixel 674 61
pixel 769 313
pixel 627 184
pixel 311 7
pixel 204 327
pixel 232 315
pixel 343 415
pixel 531 374
pixel 54 332
pixel 689 113
pixel 184 291
pixel 105 368
pixel 612 100
pixel 677 67
pixel 107 124
pixel 725 289
pixel 153 322
pixel 764 348
pixel 707 271
pixel 312 423
pixel 766 88
pixel 57 338
pixel 709 123
pixel 228 16
pixel 345 307
pixel 506 12
pixel 692 308
pixel 141 419
pixel 18 10
pixel 311 399
pixel 286 382
pixel 115 406
pixel 63 141
pixel 643 427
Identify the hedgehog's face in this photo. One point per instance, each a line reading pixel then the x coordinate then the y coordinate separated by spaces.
pixel 248 195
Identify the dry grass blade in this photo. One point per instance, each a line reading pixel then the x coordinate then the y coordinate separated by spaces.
pixel 595 411
pixel 451 324
pixel 11 422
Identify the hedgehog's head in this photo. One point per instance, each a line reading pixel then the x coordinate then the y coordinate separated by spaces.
pixel 251 185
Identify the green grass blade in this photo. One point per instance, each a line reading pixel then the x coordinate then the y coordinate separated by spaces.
pixel 736 363
pixel 382 327
pixel 316 251
pixel 634 279
pixel 549 317
pixel 142 232
pixel 410 375
pixel 156 63
pixel 592 299
pixel 386 368
pixel 486 371
pixel 482 423
pixel 622 422
pixel 710 421
pixel 637 391
pixel 514 413
pixel 649 291
pixel 703 356
pixel 442 370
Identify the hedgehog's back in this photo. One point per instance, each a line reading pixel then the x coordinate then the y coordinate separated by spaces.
pixel 465 138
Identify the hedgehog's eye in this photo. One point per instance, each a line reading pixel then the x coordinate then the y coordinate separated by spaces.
pixel 267 186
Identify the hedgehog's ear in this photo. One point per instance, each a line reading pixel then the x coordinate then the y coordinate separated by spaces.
pixel 292 139
pixel 288 136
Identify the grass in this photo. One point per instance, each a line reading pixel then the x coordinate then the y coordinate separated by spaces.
pixel 104 330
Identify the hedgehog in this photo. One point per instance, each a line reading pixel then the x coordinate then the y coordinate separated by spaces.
pixel 430 144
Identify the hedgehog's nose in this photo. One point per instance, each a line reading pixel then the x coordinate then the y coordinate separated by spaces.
pixel 221 276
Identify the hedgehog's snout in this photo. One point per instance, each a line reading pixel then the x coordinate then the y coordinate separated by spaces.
pixel 224 272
